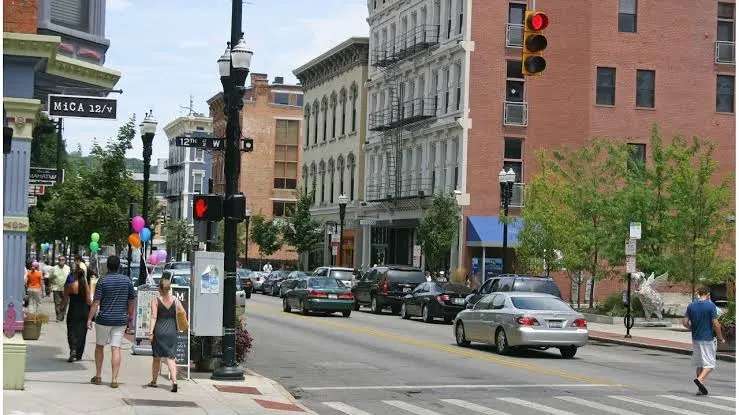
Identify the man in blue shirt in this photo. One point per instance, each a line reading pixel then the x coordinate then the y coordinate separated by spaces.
pixel 114 297
pixel 701 319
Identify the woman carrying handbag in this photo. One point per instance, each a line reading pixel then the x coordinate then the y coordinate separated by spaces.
pixel 167 318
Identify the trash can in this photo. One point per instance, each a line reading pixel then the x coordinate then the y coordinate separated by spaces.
pixel 14 363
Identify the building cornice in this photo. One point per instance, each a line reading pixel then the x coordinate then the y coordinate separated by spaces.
pixel 185 124
pixel 340 59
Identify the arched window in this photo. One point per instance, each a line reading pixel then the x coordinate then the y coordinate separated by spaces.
pixel 315 122
pixel 355 94
pixel 340 170
pixel 322 171
pixel 351 167
pixel 342 99
pixel 324 110
pixel 333 114
pixel 305 179
pixel 331 181
pixel 313 179
pixel 307 125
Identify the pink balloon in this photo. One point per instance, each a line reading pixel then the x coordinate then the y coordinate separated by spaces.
pixel 162 255
pixel 153 259
pixel 137 223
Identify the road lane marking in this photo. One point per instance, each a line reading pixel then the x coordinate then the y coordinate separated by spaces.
pixel 342 407
pixel 655 405
pixel 698 402
pixel 725 398
pixel 474 407
pixel 537 406
pixel 426 344
pixel 380 387
pixel 411 408
pixel 596 405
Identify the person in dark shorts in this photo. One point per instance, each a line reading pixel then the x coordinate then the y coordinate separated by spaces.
pixel 163 336
pixel 701 319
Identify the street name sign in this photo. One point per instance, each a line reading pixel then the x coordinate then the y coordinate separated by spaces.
pixel 82 107
pixel 43 175
pixel 635 230
pixel 209 143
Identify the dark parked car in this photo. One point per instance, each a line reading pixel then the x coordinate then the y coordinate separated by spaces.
pixel 291 280
pixel 271 285
pixel 434 299
pixel 514 282
pixel 320 294
pixel 386 286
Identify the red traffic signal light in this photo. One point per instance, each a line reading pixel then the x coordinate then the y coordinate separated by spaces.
pixel 534 42
pixel 207 207
pixel 537 21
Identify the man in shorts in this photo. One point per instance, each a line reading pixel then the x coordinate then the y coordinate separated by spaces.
pixel 701 319
pixel 114 297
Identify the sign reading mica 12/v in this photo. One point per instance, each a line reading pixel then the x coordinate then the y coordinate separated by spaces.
pixel 82 107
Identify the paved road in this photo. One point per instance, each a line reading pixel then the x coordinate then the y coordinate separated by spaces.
pixel 381 364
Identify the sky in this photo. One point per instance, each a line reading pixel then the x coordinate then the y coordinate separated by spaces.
pixel 166 51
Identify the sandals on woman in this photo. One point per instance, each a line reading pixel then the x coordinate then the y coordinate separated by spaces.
pixel 96 380
pixel 152 384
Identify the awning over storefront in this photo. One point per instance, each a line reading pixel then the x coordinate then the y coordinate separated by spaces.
pixel 487 231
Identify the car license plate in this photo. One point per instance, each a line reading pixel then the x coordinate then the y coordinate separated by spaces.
pixel 555 324
pixel 406 289
pixel 459 301
pixel 332 296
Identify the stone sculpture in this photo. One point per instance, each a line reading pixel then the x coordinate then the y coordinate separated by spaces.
pixel 651 300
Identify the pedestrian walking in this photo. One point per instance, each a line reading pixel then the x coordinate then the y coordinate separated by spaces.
pixel 163 335
pixel 34 286
pixel 701 318
pixel 114 298
pixel 267 267
pixel 58 278
pixel 79 263
pixel 78 296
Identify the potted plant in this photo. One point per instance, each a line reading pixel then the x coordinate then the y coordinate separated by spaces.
pixel 728 328
pixel 32 323
pixel 244 343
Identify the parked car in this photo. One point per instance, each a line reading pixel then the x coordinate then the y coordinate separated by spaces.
pixel 519 319
pixel 346 275
pixel 178 265
pixel 514 282
pixel 257 279
pixel 386 286
pixel 271 286
pixel 291 280
pixel 323 294
pixel 431 300
pixel 176 276
pixel 241 292
pixel 243 281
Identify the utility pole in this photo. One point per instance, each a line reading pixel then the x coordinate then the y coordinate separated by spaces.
pixel 209 224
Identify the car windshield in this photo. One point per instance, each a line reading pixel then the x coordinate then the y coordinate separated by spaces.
pixel 406 276
pixel 180 280
pixel 341 274
pixel 180 265
pixel 324 283
pixel 450 287
pixel 536 286
pixel 540 303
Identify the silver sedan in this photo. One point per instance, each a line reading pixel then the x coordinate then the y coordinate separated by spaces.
pixel 520 319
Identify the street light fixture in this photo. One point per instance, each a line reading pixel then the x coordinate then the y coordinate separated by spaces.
pixel 148 128
pixel 506 179
pixel 343 200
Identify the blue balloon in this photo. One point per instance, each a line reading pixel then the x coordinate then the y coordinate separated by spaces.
pixel 145 235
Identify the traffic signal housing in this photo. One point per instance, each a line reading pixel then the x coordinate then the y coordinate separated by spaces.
pixel 208 207
pixel 534 42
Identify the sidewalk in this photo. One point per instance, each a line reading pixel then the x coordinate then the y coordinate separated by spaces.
pixel 54 386
pixel 669 339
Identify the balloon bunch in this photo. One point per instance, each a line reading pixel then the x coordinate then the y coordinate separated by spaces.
pixel 158 256
pixel 45 247
pixel 94 242
pixel 140 232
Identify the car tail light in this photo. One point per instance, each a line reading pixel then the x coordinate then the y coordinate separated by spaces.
pixel 346 296
pixel 580 323
pixel 385 286
pixel 527 321
pixel 442 298
pixel 317 294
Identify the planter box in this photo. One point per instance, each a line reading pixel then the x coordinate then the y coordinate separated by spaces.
pixel 14 363
pixel 31 330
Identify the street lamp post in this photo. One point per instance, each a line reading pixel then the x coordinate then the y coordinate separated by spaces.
pixel 148 127
pixel 506 179
pixel 233 67
pixel 343 200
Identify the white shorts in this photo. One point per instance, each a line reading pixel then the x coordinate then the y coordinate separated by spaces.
pixel 704 353
pixel 112 335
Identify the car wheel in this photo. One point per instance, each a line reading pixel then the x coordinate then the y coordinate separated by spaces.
pixel 501 342
pixel 403 312
pixel 374 307
pixel 426 314
pixel 303 308
pixel 346 313
pixel 285 305
pixel 568 352
pixel 356 305
pixel 459 335
pixel 395 309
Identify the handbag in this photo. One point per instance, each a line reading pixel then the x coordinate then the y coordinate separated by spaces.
pixel 182 324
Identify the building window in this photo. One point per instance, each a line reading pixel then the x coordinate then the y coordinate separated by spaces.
pixel 340 170
pixel 354 108
pixel 460 14
pixel 197 154
pixel 513 157
pixel 281 98
pixel 342 98
pixel 637 155
pixel 299 100
pixel 605 90
pixel 458 97
pixel 449 19
pixel 197 183
pixel 352 172
pixel 305 179
pixel 514 82
pixel 447 81
pixel 74 14
pixel 435 89
pixel 324 109
pixel 331 181
pixel 307 128
pixel 313 178
pixel 322 171
pixel 315 122
pixel 286 154
pixel 644 88
pixel 333 115
pixel 627 16
pixel 725 29
pixel 725 93
pixel 282 209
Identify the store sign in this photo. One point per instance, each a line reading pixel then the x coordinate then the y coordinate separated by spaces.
pixel 43 175
pixel 15 223
pixel 82 107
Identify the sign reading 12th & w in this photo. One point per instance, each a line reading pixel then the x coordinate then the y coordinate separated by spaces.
pixel 82 107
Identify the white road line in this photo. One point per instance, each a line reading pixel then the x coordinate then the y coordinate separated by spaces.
pixel 698 402
pixel 537 406
pixel 725 398
pixel 656 405
pixel 411 408
pixel 342 407
pixel 596 405
pixel 379 387
pixel 474 407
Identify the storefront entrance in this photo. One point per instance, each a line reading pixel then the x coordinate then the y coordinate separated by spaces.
pixel 392 246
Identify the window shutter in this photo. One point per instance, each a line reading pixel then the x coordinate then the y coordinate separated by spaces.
pixel 70 13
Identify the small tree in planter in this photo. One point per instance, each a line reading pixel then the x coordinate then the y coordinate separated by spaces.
pixel 32 323
pixel 244 343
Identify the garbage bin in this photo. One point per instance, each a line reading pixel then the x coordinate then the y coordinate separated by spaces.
pixel 14 363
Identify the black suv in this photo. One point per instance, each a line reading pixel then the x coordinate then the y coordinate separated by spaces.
pixel 514 282
pixel 386 286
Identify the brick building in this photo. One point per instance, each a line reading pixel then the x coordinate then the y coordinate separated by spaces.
pixel 272 116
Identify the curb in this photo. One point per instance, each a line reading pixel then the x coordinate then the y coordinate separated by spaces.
pixel 719 356
pixel 281 389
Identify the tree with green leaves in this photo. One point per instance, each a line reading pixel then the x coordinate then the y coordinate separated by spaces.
pixel 44 145
pixel 180 238
pixel 302 231
pixel 438 231
pixel 266 234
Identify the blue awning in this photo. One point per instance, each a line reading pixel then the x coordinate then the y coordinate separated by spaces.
pixel 487 231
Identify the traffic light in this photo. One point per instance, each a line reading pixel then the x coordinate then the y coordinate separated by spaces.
pixel 208 207
pixel 247 145
pixel 235 207
pixel 534 42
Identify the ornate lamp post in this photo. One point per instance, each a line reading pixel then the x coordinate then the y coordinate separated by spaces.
pixel 148 127
pixel 343 200
pixel 506 179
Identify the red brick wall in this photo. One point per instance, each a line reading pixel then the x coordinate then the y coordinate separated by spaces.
pixel 19 16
